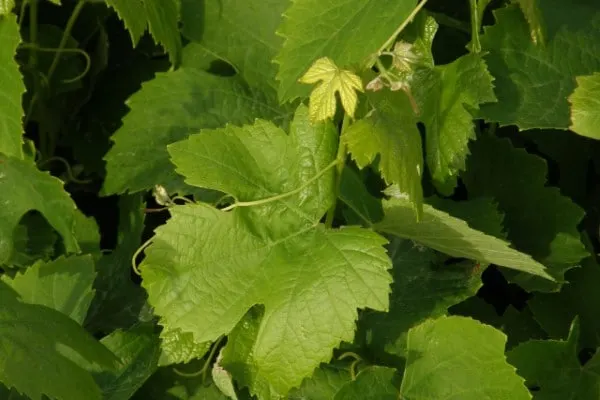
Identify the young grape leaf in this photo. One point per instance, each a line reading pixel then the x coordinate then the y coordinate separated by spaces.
pixel 446 96
pixel 372 383
pixel 34 341
pixel 424 287
pixel 206 267
pixel 222 379
pixel 161 17
pixel 223 29
pixel 331 80
pixel 323 385
pixel 453 236
pixel 6 6
pixel 169 108
pixel 12 87
pixel 138 349
pixel 555 311
pixel 534 81
pixel 43 193
pixel 64 285
pixel 313 29
pixel 179 347
pixel 553 368
pixel 458 357
pixel 585 106
pixel 390 131
pixel 538 219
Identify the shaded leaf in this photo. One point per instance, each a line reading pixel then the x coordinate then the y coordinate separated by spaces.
pixel 372 383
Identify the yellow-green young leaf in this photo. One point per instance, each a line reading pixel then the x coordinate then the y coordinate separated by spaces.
pixel 11 85
pixel 6 6
pixel 390 131
pixel 585 106
pixel 332 80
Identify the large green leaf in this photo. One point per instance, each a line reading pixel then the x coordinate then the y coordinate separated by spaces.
pixel 537 218
pixel 390 131
pixel 447 95
pixel 242 36
pixel 553 368
pixel 453 236
pixel 161 17
pixel 11 85
pixel 423 288
pixel 585 106
pixel 169 108
pixel 459 358
pixel 206 267
pixel 313 29
pixel 138 349
pixel 64 284
pixel 34 343
pixel 533 81
pixel 23 188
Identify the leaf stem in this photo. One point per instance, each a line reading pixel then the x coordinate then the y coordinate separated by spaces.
pixel 407 21
pixel 33 29
pixel 282 195
pixel 341 160
pixel 65 37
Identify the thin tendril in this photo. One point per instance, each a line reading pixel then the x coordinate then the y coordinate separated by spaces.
pixel 70 176
pixel 204 368
pixel 184 199
pixel 88 60
pixel 283 195
pixel 350 354
pixel 357 359
pixel 353 369
pixel 137 253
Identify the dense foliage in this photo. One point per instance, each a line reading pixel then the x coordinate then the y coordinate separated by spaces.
pixel 299 199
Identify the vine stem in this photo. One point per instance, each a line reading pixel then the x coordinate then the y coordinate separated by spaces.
pixel 282 195
pixel 341 162
pixel 407 21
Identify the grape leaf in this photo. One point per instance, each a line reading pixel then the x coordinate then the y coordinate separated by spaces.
pixel 453 236
pixel 118 300
pixel 323 385
pixel 533 14
pixel 423 288
pixel 64 285
pixel 537 218
pixel 533 81
pixel 242 36
pixel 554 369
pixel 372 383
pixel 222 379
pixel 331 80
pixel 12 87
pixel 390 131
pixel 169 108
pixel 555 311
pixel 446 96
pixel 356 196
pixel 43 193
pixel 33 343
pixel 6 6
pixel 339 35
pixel 179 347
pixel 138 349
pixel 458 357
pixel 161 17
pixel 310 279
pixel 34 239
pixel 585 106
